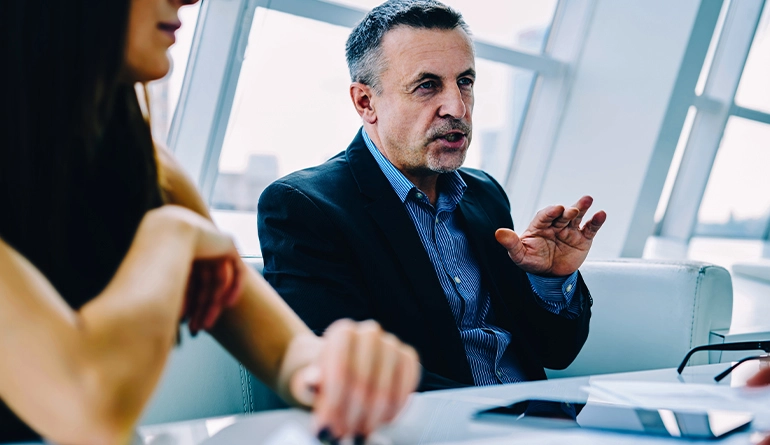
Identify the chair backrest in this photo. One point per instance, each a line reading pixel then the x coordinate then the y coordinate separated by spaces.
pixel 202 379
pixel 647 314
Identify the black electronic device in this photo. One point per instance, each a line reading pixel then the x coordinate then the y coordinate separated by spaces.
pixel 709 424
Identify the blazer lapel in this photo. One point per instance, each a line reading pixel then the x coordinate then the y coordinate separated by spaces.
pixel 392 218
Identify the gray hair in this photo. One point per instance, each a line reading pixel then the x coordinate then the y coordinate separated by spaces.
pixel 363 49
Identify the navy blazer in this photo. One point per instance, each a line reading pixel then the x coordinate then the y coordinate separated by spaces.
pixel 339 243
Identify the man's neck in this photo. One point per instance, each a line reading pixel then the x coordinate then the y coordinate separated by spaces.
pixel 425 181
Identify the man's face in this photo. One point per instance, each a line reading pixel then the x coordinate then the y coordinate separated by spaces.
pixel 423 113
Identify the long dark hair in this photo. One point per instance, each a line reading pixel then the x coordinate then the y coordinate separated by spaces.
pixel 66 112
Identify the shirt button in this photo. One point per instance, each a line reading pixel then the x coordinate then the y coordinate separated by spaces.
pixel 418 195
pixel 569 287
pixel 457 280
pixel 499 373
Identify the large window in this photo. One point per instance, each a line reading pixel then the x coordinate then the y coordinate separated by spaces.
pixel 736 202
pixel 754 89
pixel 721 186
pixel 291 107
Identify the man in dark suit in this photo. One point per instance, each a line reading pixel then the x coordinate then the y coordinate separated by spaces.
pixel 393 230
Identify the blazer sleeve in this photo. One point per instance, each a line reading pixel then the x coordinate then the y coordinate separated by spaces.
pixel 306 260
pixel 555 339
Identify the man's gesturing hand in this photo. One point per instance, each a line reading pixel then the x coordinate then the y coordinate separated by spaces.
pixel 554 243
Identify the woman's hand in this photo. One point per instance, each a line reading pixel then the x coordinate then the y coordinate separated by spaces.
pixel 360 378
pixel 216 275
pixel 214 284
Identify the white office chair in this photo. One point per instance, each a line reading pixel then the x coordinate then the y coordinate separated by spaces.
pixel 647 314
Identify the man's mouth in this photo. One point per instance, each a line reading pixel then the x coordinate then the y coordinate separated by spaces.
pixel 452 137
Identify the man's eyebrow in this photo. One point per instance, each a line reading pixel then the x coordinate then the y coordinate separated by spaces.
pixel 423 76
pixel 469 72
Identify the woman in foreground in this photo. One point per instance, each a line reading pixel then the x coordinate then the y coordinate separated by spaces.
pixel 105 245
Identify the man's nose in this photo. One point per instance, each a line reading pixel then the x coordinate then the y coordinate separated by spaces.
pixel 452 103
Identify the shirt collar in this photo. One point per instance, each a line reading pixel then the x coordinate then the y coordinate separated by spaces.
pixel 450 184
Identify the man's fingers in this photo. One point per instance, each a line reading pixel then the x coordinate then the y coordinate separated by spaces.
pixel 594 224
pixel 566 217
pixel 510 240
pixel 582 204
pixel 544 218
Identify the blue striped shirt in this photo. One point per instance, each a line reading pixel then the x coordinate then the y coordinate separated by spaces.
pixel 460 277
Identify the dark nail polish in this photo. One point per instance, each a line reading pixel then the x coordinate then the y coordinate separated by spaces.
pixel 325 437
pixel 359 440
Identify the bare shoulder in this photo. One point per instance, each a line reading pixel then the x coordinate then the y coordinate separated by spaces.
pixel 178 188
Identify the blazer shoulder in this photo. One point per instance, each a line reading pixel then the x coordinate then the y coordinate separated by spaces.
pixel 327 178
pixel 328 185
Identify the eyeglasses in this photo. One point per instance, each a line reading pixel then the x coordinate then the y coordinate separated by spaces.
pixel 737 346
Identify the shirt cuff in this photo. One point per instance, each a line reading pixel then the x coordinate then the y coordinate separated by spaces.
pixel 555 293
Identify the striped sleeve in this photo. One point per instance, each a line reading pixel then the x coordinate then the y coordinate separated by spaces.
pixel 555 294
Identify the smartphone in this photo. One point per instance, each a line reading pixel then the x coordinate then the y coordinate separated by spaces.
pixel 709 424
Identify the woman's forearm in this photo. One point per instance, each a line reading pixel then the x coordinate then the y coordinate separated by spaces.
pixel 259 329
pixel 85 376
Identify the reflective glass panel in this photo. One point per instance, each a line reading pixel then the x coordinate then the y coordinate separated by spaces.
pixel 754 88
pixel 292 110
pixel 519 24
pixel 736 202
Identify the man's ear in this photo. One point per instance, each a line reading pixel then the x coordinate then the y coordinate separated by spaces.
pixel 362 96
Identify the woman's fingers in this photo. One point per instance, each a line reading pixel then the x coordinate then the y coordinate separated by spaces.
pixel 197 306
pixel 335 377
pixel 366 376
pixel 385 381
pixel 366 364
pixel 223 273
pixel 761 378
pixel 407 378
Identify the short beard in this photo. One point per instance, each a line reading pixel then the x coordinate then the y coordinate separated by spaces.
pixel 434 164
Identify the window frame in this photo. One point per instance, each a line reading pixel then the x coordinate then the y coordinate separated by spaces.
pixel 202 115
pixel 714 106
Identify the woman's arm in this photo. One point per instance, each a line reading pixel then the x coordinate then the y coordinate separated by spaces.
pixel 356 377
pixel 260 327
pixel 84 377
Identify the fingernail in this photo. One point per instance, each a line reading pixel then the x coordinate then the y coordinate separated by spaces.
pixel 359 440
pixel 325 437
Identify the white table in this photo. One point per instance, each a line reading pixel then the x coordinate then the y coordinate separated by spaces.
pixel 445 416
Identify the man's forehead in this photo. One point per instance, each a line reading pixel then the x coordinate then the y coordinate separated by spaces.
pixel 413 50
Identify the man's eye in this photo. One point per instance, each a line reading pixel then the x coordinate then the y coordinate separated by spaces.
pixel 465 82
pixel 427 85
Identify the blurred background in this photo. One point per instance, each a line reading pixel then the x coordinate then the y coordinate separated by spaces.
pixel 659 109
